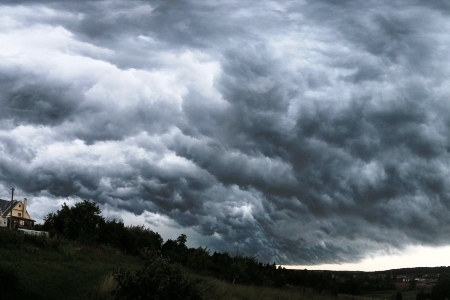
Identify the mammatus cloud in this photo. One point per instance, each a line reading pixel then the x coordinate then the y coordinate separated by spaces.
pixel 308 132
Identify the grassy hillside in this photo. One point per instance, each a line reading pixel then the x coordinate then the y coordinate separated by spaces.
pixel 73 271
pixel 69 271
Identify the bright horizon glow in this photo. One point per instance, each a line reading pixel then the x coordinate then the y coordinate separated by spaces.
pixel 412 257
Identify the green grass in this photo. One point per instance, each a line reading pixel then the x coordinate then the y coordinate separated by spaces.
pixel 220 290
pixel 406 295
pixel 67 272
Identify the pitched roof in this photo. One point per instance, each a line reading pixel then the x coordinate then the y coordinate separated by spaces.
pixel 4 204
pixel 8 207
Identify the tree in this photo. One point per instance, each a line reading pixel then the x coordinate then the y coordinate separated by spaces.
pixel 177 250
pixel 181 240
pixel 199 259
pixel 80 222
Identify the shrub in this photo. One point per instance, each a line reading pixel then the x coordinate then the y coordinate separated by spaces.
pixel 129 238
pixel 156 280
pixel 9 280
pixel 10 237
pixel 41 240
pixel 441 290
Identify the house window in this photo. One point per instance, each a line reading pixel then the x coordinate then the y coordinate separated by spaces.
pixel 20 214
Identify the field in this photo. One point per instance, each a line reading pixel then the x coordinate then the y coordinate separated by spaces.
pixel 67 272
pixel 73 271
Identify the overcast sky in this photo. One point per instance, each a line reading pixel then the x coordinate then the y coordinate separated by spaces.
pixel 303 132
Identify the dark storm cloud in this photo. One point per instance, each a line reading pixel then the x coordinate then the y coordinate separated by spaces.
pixel 312 132
pixel 31 99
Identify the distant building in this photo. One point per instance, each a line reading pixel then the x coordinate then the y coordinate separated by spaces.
pixel 14 214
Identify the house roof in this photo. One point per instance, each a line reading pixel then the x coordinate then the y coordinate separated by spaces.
pixel 4 204
pixel 8 207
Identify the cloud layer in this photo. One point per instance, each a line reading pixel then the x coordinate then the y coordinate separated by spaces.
pixel 301 132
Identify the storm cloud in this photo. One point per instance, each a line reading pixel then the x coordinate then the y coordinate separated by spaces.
pixel 302 132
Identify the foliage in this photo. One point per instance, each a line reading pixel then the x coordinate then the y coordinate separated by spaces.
pixel 199 259
pixel 10 237
pixel 158 279
pixel 441 290
pixel 129 238
pixel 139 237
pixel 421 295
pixel 80 222
pixel 176 251
pixel 9 280
pixel 83 222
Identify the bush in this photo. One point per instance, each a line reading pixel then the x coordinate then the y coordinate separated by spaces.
pixel 139 237
pixel 9 280
pixel 156 280
pixel 41 240
pixel 441 290
pixel 130 239
pixel 10 237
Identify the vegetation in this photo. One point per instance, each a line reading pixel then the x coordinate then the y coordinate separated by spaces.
pixel 43 268
pixel 442 289
pixel 84 223
pixel 88 257
pixel 157 279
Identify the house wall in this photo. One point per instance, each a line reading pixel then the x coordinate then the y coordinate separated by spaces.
pixel 3 222
pixel 19 211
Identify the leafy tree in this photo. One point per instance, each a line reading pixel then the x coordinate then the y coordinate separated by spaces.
pixel 114 233
pixel 199 259
pixel 177 250
pixel 138 237
pixel 181 240
pixel 79 222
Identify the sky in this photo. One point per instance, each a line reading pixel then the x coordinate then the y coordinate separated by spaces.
pixel 305 133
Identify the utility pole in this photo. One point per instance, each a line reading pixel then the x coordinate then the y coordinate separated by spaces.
pixel 12 199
